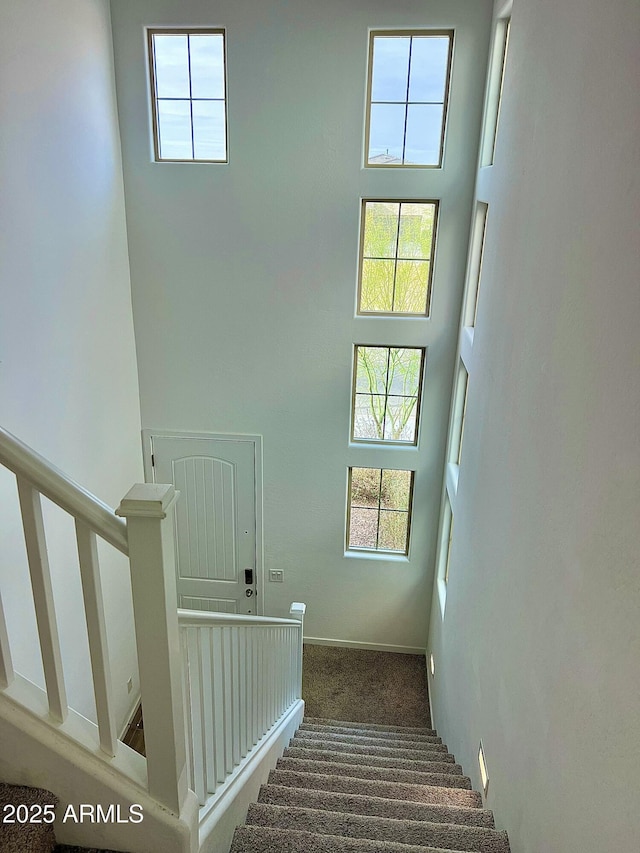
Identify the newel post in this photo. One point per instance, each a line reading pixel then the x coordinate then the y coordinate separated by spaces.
pixel 297 611
pixel 148 508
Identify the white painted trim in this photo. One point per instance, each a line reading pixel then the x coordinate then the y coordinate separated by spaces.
pixel 66 760
pixel 147 437
pixel 357 644
pixel 228 806
pixel 62 490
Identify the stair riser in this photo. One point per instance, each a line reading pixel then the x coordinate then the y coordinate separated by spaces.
pixel 392 790
pixel 425 766
pixel 372 733
pixel 261 839
pixel 278 795
pixel 380 727
pixel 368 741
pixel 450 778
pixel 368 761
pixel 421 833
pixel 356 748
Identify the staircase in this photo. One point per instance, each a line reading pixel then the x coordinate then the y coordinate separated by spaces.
pixel 364 788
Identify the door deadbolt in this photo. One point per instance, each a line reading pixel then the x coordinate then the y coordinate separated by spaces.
pixel 248 593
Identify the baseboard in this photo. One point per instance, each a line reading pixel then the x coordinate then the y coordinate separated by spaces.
pixel 133 710
pixel 357 644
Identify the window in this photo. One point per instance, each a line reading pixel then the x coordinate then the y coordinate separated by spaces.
pixel 379 509
pixel 397 244
pixel 458 415
pixel 446 537
pixel 495 82
pixel 407 97
pixel 188 89
pixel 475 263
pixel 386 394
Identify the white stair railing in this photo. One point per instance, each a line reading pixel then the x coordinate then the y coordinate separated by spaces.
pixel 147 538
pixel 241 674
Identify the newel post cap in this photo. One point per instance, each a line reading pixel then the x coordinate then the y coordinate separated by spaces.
pixel 297 609
pixel 148 500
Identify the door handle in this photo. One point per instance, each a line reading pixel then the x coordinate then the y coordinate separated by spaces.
pixel 248 592
pixel 248 577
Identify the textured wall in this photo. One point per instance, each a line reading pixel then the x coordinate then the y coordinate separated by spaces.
pixel 539 650
pixel 68 381
pixel 244 275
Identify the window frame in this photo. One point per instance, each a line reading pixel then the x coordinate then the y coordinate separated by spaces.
pixel 432 258
pixel 361 551
pixel 495 87
pixel 387 442
pixel 153 97
pixel 445 104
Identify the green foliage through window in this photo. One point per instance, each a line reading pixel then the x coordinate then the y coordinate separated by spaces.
pixel 397 250
pixel 387 385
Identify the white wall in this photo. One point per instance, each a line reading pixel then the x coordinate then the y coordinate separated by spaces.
pixel 539 651
pixel 244 276
pixel 68 382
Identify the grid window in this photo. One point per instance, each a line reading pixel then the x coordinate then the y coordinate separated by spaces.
pixel 407 97
pixel 189 95
pixel 386 394
pixel 379 509
pixel 396 254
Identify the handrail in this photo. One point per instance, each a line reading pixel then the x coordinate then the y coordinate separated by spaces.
pixel 62 490
pixel 207 618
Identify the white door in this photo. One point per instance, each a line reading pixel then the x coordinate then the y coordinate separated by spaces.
pixel 215 519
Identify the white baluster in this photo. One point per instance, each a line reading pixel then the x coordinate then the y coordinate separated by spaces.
pixel 227 685
pixel 6 664
pixel 207 708
pixel 186 695
pixel 97 633
pixel 236 693
pixel 43 598
pixel 197 714
pixel 148 508
pixel 244 711
pixel 219 726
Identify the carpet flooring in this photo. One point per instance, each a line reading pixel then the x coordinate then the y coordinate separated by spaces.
pixel 365 686
pixel 329 793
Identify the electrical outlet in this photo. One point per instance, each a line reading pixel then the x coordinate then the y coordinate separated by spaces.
pixel 130 685
pixel 276 575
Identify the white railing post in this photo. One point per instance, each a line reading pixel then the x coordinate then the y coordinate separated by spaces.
pixel 148 510
pixel 297 611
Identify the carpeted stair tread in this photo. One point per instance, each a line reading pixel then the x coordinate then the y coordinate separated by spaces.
pixel 377 788
pixel 449 778
pixel 390 751
pixel 263 839
pixel 424 766
pixel 412 832
pixel 26 837
pixel 280 795
pixel 367 741
pixel 378 727
pixel 365 732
